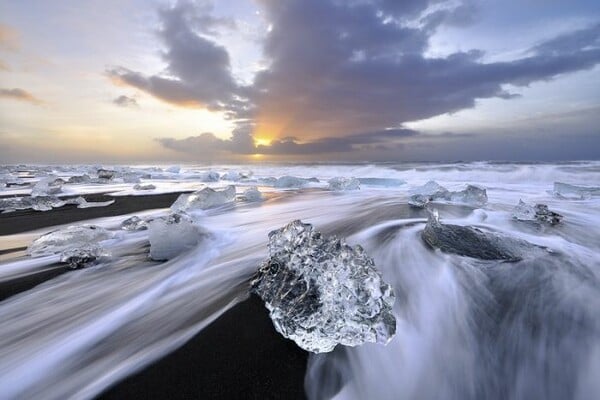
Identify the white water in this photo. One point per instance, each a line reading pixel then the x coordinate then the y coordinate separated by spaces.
pixel 466 329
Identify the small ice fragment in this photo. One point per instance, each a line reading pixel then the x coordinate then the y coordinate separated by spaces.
pixel 47 186
pixel 341 183
pixel 82 257
pixel 252 194
pixel 209 176
pixel 203 199
pixel 233 176
pixel 290 182
pixel 472 195
pixel 105 174
pixel 83 203
pixel 147 186
pixel 72 237
pixel 134 223
pixel 567 191
pixel 321 292
pixel 79 179
pixel 173 235
pixel 537 213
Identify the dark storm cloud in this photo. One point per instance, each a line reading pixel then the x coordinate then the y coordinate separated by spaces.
pixel 19 95
pixel 198 70
pixel 125 101
pixel 337 69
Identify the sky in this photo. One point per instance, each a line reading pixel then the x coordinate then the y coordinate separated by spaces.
pixel 134 81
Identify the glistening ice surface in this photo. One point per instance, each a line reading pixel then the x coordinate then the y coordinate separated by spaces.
pixel 467 328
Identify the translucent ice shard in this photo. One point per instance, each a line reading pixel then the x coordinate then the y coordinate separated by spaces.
pixel 172 235
pixel 252 194
pixel 47 186
pixel 341 183
pixel 472 195
pixel 431 188
pixel 203 199
pixel 146 186
pixel 321 292
pixel 72 237
pixel 134 223
pixel 475 243
pixel 537 213
pixel 83 256
pixel 567 191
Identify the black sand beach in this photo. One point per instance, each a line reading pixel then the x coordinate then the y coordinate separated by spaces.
pixel 239 356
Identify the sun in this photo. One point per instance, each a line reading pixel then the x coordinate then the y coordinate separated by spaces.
pixel 262 141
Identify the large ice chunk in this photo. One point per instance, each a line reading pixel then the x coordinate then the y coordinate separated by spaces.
pixel 567 191
pixel 341 183
pixel 432 191
pixel 474 242
pixel 172 235
pixel 537 213
pixel 431 188
pixel 47 186
pixel 72 237
pixel 321 292
pixel 203 199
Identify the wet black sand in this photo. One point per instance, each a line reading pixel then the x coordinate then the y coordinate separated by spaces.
pixel 239 356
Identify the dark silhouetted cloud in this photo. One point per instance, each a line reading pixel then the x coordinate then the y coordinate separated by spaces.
pixel 338 69
pixel 20 95
pixel 125 101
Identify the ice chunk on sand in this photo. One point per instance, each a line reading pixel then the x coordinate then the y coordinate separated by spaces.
pixel 341 183
pixel 83 203
pixel 475 243
pixel 567 191
pixel 321 292
pixel 72 237
pixel 147 186
pixel 203 199
pixel 83 256
pixel 537 213
pixel 472 195
pixel 252 194
pixel 172 235
pixel 47 186
pixel 419 200
pixel 431 188
pixel 134 223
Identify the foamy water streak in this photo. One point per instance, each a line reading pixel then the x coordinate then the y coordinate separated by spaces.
pixel 466 329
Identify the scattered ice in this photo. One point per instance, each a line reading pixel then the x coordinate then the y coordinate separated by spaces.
pixel 290 182
pixel 209 176
pixel 172 235
pixel 146 186
pixel 341 183
pixel 203 199
pixel 252 194
pixel 134 223
pixel 321 292
pixel 105 174
pixel 432 191
pixel 47 186
pixel 537 213
pixel 233 176
pixel 567 191
pixel 72 237
pixel 83 256
pixel 473 242
pixel 85 178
